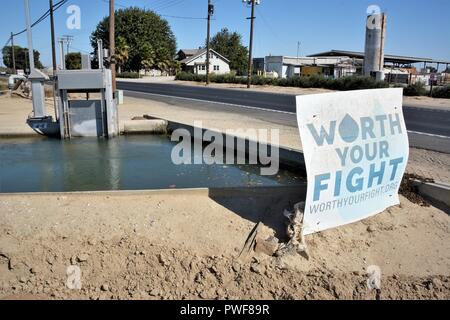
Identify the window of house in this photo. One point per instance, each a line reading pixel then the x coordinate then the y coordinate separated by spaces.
pixel 216 68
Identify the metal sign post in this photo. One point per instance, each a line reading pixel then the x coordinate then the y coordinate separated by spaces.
pixel 36 77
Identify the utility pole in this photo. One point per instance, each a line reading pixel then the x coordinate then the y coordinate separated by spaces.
pixel 68 40
pixel 13 53
pixel 250 60
pixel 112 44
pixel 298 50
pixel 210 13
pixel 52 29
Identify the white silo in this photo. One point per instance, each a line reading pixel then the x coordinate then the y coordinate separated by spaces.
pixel 374 47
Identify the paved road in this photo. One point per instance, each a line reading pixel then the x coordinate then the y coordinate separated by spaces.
pixel 417 119
pixel 428 128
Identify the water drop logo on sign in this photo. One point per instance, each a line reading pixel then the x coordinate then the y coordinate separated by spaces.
pixel 356 149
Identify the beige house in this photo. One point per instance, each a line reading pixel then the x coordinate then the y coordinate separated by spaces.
pixel 194 60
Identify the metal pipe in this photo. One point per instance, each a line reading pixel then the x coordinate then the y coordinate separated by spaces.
pixel 62 55
pixel 100 53
pixel 29 35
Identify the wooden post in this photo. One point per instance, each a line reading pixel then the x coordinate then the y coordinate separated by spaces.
pixel 208 31
pixel 250 61
pixel 52 31
pixel 13 53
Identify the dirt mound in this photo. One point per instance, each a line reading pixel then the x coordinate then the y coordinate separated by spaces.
pixel 128 267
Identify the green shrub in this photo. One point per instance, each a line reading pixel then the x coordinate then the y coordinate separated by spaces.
pixel 356 83
pixel 187 76
pixel 442 92
pixel 315 81
pixel 259 80
pixel 128 75
pixel 417 89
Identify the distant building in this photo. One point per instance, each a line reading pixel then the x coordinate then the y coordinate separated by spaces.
pixel 340 63
pixel 397 69
pixel 258 66
pixel 194 60
pixel 286 67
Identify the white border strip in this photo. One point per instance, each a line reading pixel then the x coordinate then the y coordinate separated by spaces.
pixel 429 134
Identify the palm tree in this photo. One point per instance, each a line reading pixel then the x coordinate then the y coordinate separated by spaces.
pixel 122 52
pixel 148 57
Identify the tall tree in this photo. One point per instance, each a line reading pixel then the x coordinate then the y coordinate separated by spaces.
pixel 21 55
pixel 229 44
pixel 139 27
pixel 73 61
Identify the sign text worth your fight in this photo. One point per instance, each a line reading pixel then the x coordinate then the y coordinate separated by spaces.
pixel 350 130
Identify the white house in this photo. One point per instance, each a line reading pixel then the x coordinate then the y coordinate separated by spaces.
pixel 194 60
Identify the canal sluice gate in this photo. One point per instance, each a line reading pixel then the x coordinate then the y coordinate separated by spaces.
pixel 87 118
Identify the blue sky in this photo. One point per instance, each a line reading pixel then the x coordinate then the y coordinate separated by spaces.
pixel 415 27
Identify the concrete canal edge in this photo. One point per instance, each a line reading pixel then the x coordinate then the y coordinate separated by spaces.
pixel 437 193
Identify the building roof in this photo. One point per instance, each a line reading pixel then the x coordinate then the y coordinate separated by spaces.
pixel 387 57
pixel 199 52
pixel 190 52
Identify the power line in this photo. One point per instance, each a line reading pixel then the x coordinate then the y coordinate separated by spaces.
pixel 7 42
pixel 169 4
pixel 43 17
pixel 39 20
pixel 179 17
pixel 158 3
pixel 161 6
pixel 267 24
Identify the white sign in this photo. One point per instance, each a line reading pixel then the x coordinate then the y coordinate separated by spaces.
pixel 356 149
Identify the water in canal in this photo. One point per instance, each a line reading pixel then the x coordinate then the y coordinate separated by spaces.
pixel 124 163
